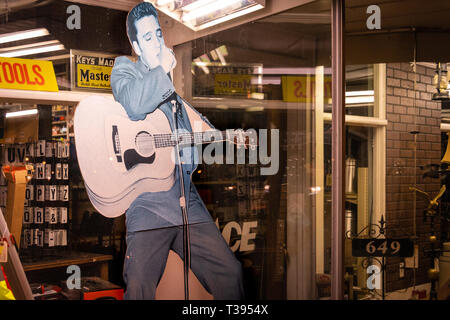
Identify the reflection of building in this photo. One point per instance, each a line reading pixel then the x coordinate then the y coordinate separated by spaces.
pixel 273 70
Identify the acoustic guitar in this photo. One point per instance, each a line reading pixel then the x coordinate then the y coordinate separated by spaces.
pixel 120 159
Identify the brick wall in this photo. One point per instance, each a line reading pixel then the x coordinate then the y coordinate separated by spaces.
pixel 405 115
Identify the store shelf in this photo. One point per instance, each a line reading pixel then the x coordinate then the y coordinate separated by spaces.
pixel 60 111
pixel 46 97
pixel 72 258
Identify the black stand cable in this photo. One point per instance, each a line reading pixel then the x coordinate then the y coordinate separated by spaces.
pixel 186 241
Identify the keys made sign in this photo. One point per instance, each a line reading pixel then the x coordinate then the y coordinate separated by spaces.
pixel 91 71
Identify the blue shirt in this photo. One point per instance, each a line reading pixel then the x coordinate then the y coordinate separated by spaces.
pixel 140 91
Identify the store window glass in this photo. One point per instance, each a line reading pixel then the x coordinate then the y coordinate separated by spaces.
pixel 359 204
pixel 59 226
pixel 364 163
pixel 359 94
pixel 271 75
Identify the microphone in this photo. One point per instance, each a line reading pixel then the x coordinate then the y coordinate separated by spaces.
pixel 173 96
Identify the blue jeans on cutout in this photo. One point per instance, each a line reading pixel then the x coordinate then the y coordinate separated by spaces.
pixel 212 261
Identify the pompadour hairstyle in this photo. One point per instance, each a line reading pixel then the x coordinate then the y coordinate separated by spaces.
pixel 141 10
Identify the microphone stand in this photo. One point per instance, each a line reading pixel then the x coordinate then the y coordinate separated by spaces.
pixel 186 241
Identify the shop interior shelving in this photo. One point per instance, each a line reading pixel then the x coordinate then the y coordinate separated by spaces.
pixel 60 128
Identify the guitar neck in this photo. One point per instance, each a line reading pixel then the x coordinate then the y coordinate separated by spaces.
pixel 188 138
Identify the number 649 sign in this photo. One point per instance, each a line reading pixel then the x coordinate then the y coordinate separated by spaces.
pixel 382 248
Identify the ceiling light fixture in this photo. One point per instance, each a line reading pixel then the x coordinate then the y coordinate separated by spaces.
pixel 201 14
pixel 22 35
pixel 21 113
pixel 27 52
pixel 207 9
pixel 163 2
pixel 196 4
pixel 28 46
pixel 359 97
pixel 359 93
pixel 230 17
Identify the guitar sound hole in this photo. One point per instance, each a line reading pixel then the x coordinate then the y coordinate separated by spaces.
pixel 145 144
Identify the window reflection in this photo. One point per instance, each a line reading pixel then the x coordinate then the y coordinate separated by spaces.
pixel 269 74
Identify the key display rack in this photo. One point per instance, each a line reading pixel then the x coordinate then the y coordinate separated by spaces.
pixel 47 198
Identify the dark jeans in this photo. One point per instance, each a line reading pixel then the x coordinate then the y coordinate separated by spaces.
pixel 212 261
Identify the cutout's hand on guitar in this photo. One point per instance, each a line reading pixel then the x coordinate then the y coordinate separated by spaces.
pixel 252 142
pixel 245 141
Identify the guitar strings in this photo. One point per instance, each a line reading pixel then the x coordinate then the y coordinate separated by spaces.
pixel 168 140
pixel 171 143
pixel 162 139
pixel 171 137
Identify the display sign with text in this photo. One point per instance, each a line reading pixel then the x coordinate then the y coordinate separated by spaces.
pixel 91 70
pixel 27 74
pixel 232 84
pixel 302 88
pixel 382 247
